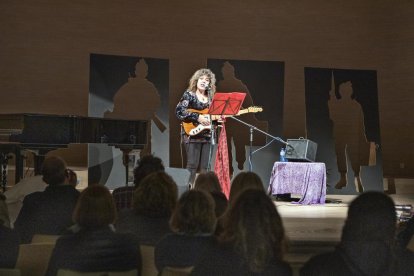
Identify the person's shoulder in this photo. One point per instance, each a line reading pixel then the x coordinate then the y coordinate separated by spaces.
pixel 188 94
pixel 69 238
pixel 33 197
pixel 69 189
pixel 7 232
pixel 126 221
pixel 126 213
pixel 279 268
pixel 122 189
pixel 406 260
pixel 319 264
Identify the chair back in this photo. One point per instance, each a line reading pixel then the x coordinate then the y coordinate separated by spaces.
pixel 148 261
pixel 176 271
pixel 66 272
pixel 34 258
pixel 41 238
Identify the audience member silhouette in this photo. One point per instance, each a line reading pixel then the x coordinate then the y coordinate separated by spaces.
pixel 16 194
pixel 367 245
pixel 71 178
pixel 407 233
pixel 94 246
pixel 48 212
pixel 221 203
pixel 207 181
pixel 210 183
pixel 252 241
pixel 4 212
pixel 146 165
pixel 153 203
pixel 244 181
pixel 193 222
pixel 9 240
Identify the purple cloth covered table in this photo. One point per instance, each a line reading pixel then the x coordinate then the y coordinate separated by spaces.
pixel 307 179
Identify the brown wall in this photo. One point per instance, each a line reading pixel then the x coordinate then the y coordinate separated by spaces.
pixel 45 47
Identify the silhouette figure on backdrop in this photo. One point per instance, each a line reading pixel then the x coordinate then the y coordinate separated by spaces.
pixel 351 145
pixel 127 99
pixel 138 99
pixel 236 130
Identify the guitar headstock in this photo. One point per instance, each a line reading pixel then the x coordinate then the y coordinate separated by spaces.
pixel 254 109
pixel 251 109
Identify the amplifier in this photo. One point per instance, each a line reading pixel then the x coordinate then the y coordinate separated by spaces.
pixel 301 150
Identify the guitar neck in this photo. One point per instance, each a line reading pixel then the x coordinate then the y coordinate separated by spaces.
pixel 216 117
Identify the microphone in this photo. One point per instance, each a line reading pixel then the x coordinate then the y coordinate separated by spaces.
pixel 207 87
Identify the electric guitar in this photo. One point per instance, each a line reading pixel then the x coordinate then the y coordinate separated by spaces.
pixel 193 129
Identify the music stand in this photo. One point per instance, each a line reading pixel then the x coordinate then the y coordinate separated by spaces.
pixel 228 103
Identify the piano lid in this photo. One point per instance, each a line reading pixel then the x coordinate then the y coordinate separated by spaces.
pixel 43 129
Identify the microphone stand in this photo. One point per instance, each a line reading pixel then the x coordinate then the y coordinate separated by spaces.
pixel 212 132
pixel 251 129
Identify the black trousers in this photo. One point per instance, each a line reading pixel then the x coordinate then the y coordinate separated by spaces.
pixel 197 158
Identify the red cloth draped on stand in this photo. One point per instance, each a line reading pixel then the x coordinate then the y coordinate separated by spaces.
pixel 221 166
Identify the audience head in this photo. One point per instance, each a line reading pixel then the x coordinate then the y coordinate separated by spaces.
pixel 71 178
pixel 371 217
pixel 156 195
pixel 254 228
pixel 221 203
pixel 244 181
pixel 147 165
pixel 95 208
pixel 194 213
pixel 54 171
pixel 208 182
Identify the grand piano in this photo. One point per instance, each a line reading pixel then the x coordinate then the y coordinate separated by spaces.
pixel 42 133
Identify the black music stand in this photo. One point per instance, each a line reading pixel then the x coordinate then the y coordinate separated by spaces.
pixel 228 104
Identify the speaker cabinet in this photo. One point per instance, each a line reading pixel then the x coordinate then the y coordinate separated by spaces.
pixel 301 150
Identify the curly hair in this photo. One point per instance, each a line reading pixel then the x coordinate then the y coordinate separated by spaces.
pixel 192 84
pixel 253 227
pixel 156 195
pixel 194 213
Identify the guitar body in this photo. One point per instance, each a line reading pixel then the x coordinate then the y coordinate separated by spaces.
pixel 190 126
pixel 193 129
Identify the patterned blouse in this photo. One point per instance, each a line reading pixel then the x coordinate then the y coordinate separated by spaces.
pixel 189 100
